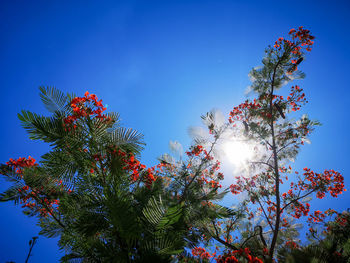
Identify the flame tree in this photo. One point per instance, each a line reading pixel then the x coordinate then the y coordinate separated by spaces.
pixel 275 194
pixel 92 192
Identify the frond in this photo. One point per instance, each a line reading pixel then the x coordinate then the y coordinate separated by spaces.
pixel 53 99
pixel 11 194
pixel 154 211
pixel 9 174
pixel 59 164
pixel 49 228
pixel 128 139
pixel 40 127
pixel 164 244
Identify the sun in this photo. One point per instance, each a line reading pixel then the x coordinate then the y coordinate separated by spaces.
pixel 238 152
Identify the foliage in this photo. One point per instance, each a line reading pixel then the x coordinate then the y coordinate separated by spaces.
pixel 267 226
pixel 92 192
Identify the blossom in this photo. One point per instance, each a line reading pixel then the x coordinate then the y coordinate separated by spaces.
pixel 201 253
pixel 82 107
pixel 234 256
pixel 291 245
pixel 21 163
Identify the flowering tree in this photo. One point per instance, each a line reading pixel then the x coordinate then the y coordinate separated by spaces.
pixel 330 245
pixel 91 190
pixel 271 207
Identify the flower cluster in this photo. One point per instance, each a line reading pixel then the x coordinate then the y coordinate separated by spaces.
pixel 300 39
pixel 201 253
pixel 34 198
pixel 196 151
pixel 129 163
pixel 236 188
pixel 210 178
pixel 233 256
pixel 296 98
pixel 241 112
pixel 260 108
pixel 318 216
pixel 300 209
pixel 21 163
pixel 303 36
pixel 340 223
pixel 291 245
pixel 245 184
pixel 133 165
pixel 330 181
pixel 285 222
pixel 89 105
pixel 205 172
pixel 342 219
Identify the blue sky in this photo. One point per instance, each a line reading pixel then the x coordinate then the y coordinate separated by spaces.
pixel 161 64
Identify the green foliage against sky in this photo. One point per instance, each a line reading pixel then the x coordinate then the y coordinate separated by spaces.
pixel 91 191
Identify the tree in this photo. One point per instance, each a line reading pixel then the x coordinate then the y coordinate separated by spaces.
pixel 329 238
pixel 92 191
pixel 271 208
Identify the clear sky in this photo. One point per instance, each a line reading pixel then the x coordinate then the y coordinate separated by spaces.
pixel 161 64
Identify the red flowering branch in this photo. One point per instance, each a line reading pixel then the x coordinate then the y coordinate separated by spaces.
pixel 21 163
pixel 82 107
pixel 138 171
pixel 201 253
pixel 300 39
pixel 36 198
pixel 200 173
pixel 236 255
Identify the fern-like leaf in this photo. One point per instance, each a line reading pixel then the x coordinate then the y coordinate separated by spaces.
pixel 53 99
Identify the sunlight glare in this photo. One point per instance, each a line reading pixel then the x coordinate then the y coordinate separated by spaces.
pixel 238 152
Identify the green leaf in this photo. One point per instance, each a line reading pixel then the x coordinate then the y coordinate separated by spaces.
pixel 11 194
pixel 127 138
pixel 53 99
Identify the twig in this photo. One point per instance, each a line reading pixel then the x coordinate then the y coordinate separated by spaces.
pixel 32 242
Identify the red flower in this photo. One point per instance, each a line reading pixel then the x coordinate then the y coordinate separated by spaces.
pixel 21 163
pixel 201 253
pixel 85 106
